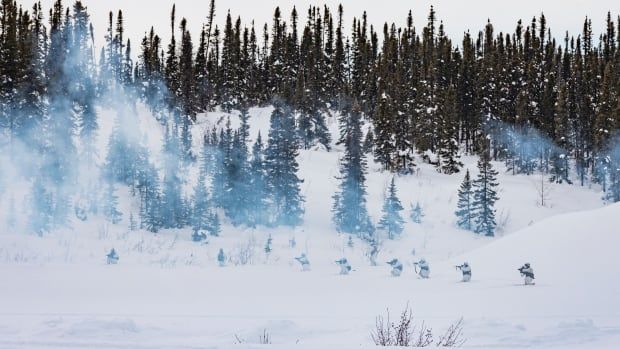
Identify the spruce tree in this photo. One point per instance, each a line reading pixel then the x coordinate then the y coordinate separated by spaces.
pixel 349 210
pixel 449 144
pixel 9 70
pixel 172 206
pixel 281 167
pixel 369 141
pixel 31 85
pixel 465 212
pixel 257 199
pixel 391 220
pixel 150 197
pixel 221 181
pixel 238 175
pixel 133 224
pixel 171 72
pixel 485 196
pixel 201 214
pixel 80 62
pixel 560 156
pixel 416 213
pixel 385 149
pixel 60 169
pixel 40 219
pixel 110 205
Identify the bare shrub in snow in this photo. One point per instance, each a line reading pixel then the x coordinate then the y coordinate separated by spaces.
pixel 403 333
pixel 425 337
pixel 239 340
pixel 382 335
pixel 244 253
pixel 543 188
pixel 453 337
pixel 265 338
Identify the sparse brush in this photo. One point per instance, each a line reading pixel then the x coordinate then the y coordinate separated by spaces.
pixel 404 334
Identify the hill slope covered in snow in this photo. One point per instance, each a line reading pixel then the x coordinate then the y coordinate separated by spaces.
pixel 168 291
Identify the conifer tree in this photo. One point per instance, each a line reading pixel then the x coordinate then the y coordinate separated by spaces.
pixel 110 205
pixel 416 213
pixel 449 147
pixel 485 196
pixel 222 158
pixel 186 75
pixel 368 142
pixel 385 150
pixel 349 210
pixel 465 208
pixel 239 175
pixel 257 199
pixel 133 224
pixel 560 156
pixel 391 220
pixel 59 149
pixel 80 63
pixel 150 217
pixel 41 208
pixel 171 206
pixel 201 82
pixel 172 66
pixel 9 69
pixel 202 213
pixel 281 167
pixel 613 193
pixel 24 122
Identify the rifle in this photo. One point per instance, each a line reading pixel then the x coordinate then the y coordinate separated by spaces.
pixel 528 274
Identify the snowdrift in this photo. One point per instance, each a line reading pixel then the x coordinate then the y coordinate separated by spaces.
pixel 571 250
pixel 574 303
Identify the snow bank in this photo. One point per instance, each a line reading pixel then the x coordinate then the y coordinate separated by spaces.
pixel 573 305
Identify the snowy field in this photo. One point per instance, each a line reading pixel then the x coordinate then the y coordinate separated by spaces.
pixel 168 292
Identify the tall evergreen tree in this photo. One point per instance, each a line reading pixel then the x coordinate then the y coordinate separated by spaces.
pixel 40 219
pixel 150 217
pixel 465 208
pixel 110 205
pixel 281 167
pixel 485 196
pixel 449 147
pixel 350 213
pixel 202 213
pixel 391 220
pixel 257 199
pixel 171 206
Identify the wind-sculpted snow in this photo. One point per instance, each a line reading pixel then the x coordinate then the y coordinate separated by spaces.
pixel 573 304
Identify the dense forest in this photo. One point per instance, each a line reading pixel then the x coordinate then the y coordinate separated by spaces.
pixel 523 98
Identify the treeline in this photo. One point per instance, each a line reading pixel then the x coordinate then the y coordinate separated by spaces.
pixel 541 105
pixel 519 97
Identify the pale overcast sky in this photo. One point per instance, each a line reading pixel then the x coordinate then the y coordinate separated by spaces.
pixel 458 15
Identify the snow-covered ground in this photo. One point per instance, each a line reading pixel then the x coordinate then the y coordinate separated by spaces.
pixel 168 292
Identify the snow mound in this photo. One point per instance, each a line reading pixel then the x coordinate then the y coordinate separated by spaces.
pixel 571 250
